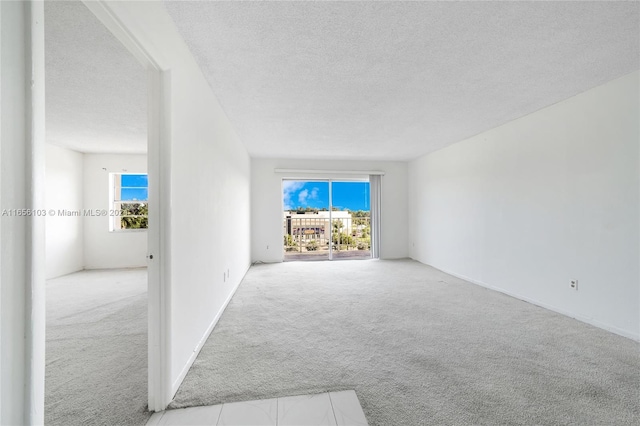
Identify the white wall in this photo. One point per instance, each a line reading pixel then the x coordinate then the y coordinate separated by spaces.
pixel 210 219
pixel 266 203
pixel 104 249
pixel 77 182
pixel 64 234
pixel 528 206
pixel 210 196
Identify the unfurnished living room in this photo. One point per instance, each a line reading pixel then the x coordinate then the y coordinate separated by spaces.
pixel 320 213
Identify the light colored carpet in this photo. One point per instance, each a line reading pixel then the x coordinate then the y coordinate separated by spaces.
pixel 420 347
pixel 96 349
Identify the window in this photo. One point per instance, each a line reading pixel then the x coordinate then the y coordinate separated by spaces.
pixel 129 200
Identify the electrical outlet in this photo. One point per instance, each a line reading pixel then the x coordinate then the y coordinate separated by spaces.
pixel 267 247
pixel 573 284
pixel 224 277
pixel 228 273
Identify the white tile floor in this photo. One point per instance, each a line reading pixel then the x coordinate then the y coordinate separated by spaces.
pixel 331 409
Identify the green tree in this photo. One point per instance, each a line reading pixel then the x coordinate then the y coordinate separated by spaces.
pixel 364 244
pixel 134 216
pixel 301 210
pixel 345 239
pixel 337 226
pixel 289 243
pixel 360 217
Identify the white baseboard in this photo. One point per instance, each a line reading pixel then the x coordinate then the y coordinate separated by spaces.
pixel 590 321
pixel 183 373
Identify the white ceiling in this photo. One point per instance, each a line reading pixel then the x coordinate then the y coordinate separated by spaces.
pixel 394 80
pixel 343 80
pixel 95 89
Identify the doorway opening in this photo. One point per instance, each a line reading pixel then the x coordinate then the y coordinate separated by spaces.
pixel 326 219
pixel 96 166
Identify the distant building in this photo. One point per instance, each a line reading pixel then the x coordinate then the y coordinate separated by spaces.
pixel 315 225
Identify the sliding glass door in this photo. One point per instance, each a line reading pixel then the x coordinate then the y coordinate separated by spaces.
pixel 326 219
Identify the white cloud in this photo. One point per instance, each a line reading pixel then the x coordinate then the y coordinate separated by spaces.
pixel 289 187
pixel 314 194
pixel 305 195
pixel 302 196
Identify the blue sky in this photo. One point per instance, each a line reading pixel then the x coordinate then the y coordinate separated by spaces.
pixel 346 195
pixel 134 187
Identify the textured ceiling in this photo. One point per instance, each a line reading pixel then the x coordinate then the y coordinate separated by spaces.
pixel 95 89
pixel 394 80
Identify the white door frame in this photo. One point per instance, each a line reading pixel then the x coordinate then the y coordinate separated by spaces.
pixel 22 391
pixel 159 172
pixel 22 278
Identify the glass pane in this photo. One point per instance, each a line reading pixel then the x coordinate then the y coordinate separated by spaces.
pixel 306 220
pixel 134 215
pixel 133 181
pixel 352 196
pixel 351 227
pixel 305 195
pixel 134 194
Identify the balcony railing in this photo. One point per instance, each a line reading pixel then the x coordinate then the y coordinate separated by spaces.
pixel 311 236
